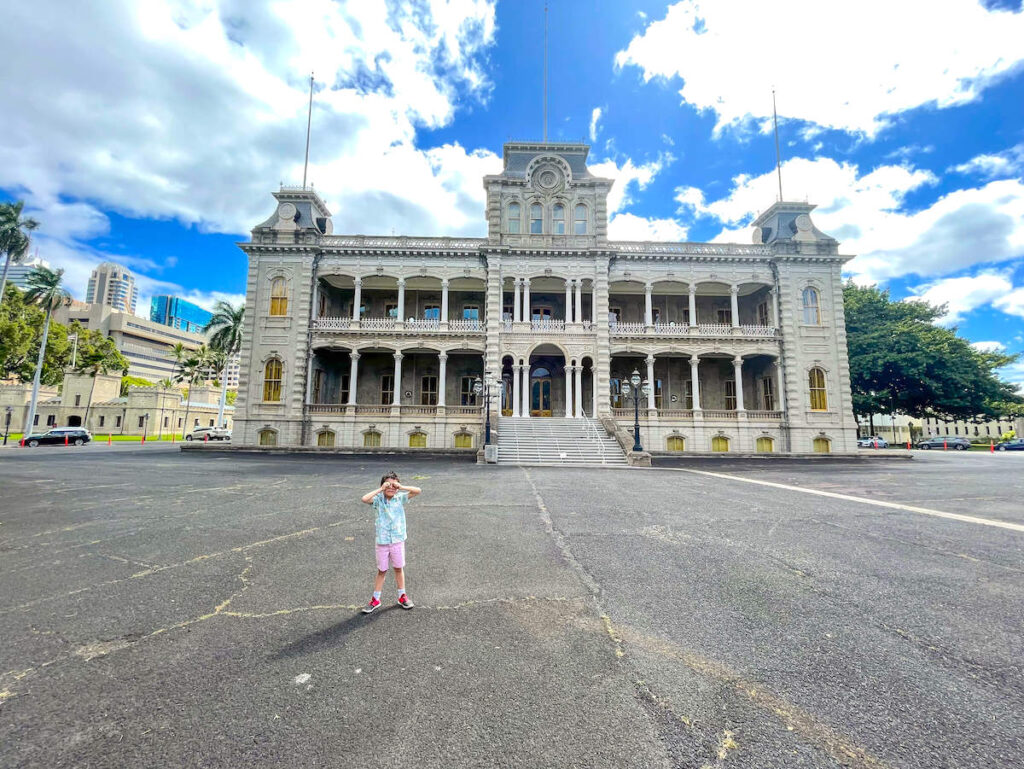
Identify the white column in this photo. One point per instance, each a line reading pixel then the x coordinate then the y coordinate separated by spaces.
pixel 779 395
pixel 516 376
pixel 357 299
pixel 579 391
pixel 695 379
pixel 526 389
pixel 397 400
pixel 650 379
pixel 737 367
pixel 773 308
pixel 442 378
pixel 444 303
pixel 568 300
pixel 516 314
pixel 593 303
pixel 648 310
pixel 734 294
pixel 568 389
pixel 400 314
pixel 577 314
pixel 353 374
pixel 315 313
pixel 527 315
pixel 693 305
pixel 594 382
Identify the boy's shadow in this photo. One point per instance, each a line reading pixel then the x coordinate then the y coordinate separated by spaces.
pixel 334 635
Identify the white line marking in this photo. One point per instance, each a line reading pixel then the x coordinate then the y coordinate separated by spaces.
pixel 876 502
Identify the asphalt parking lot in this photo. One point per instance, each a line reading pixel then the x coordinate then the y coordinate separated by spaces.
pixel 168 609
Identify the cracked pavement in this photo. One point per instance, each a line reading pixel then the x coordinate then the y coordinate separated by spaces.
pixel 161 609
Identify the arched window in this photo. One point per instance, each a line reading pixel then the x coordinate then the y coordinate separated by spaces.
pixel 536 219
pixel 278 296
pixel 272 380
pixel 371 439
pixel 765 445
pixel 418 440
pixel 463 441
pixel 514 215
pixel 558 219
pixel 822 446
pixel 325 438
pixel 812 309
pixel 720 443
pixel 268 437
pixel 580 220
pixel 676 443
pixel 816 382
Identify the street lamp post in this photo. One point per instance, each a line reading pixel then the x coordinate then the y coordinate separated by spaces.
pixel 640 387
pixel 7 422
pixel 145 426
pixel 485 388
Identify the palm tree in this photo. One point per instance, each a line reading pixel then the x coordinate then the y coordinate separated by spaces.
pixel 45 290
pixel 179 352
pixel 195 367
pixel 100 359
pixel 226 325
pixel 14 240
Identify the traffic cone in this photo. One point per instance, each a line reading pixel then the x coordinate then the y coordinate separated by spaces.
pixel 991 446
pixel 173 437
pixel 908 445
pixel 945 446
pixel 143 439
pixel 109 439
pixel 65 439
pixel 206 437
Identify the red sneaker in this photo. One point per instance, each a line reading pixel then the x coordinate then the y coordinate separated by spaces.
pixel 405 601
pixel 373 604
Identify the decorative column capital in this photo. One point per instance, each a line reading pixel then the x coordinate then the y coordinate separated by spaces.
pixel 526 282
pixel 734 289
pixel 693 289
pixel 354 355
pixel 443 356
pixel 694 362
pixel 398 356
pixel 738 360
pixel 650 360
pixel 358 281
pixel 648 287
pixel 401 282
pixel 444 282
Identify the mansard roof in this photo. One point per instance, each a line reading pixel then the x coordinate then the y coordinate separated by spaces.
pixel 517 157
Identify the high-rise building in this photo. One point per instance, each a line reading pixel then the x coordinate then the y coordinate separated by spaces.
pixel 112 285
pixel 18 273
pixel 177 313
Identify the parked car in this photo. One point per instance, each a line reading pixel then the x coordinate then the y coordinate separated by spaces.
pixel 1015 444
pixel 938 441
pixel 872 442
pixel 75 436
pixel 209 433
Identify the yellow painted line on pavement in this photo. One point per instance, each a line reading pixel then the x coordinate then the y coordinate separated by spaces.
pixel 864 500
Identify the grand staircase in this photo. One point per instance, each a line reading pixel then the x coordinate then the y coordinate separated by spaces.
pixel 548 441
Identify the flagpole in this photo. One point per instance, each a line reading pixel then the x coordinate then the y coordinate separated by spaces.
pixel 309 125
pixel 545 71
pixel 778 155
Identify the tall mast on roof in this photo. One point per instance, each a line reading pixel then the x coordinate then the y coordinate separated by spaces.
pixel 545 70
pixel 778 155
pixel 309 124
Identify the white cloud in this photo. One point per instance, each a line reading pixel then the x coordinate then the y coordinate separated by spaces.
pixel 989 346
pixel 964 294
pixel 1012 303
pixel 628 175
pixel 961 229
pixel 996 165
pixel 627 226
pixel 595 116
pixel 209 114
pixel 731 53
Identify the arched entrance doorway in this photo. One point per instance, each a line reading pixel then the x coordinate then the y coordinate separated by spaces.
pixel 547 389
pixel 74 421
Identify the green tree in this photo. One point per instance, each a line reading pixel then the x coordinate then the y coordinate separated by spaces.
pixel 96 354
pixel 133 381
pixel 901 362
pixel 21 330
pixel 193 369
pixel 44 290
pixel 226 339
pixel 14 239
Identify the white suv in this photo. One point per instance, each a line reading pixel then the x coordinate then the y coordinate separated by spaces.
pixel 209 433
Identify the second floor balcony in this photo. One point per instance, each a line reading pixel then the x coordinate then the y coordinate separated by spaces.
pixel 616 328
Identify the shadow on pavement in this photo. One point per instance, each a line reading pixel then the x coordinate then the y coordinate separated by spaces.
pixel 331 636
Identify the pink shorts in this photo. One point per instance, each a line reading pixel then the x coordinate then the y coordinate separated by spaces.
pixel 395 552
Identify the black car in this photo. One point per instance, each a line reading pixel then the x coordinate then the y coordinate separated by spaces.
pixel 1016 444
pixel 954 442
pixel 73 436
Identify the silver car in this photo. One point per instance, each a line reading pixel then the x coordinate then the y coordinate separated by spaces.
pixel 209 434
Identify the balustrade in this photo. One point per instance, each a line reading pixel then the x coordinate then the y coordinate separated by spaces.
pixel 377 324
pixel 720 414
pixel 765 415
pixel 465 325
pixel 332 324
pixel 423 324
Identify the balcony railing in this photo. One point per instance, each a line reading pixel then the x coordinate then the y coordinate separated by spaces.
pixel 332 324
pixel 765 415
pixel 377 324
pixel 752 415
pixel 547 324
pixel 464 324
pixel 681 329
pixel 418 325
pixel 423 324
pixel 384 410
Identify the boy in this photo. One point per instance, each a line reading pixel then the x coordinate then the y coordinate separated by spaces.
pixel 389 502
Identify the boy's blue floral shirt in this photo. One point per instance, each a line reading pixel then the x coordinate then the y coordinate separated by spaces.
pixel 390 517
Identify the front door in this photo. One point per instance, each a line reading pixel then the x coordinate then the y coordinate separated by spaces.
pixel 540 393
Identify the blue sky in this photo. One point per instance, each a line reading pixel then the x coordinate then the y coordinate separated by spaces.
pixel 153 133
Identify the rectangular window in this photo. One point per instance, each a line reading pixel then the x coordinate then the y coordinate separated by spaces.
pixel 387 389
pixel 325 438
pixel 117 421
pixel 730 395
pixel 180 420
pixel 51 420
pixel 167 422
pixel 541 313
pixel 344 388
pixel 762 315
pixel 616 393
pixel 322 306
pixel 688 394
pixel 471 312
pixel 318 383
pixel 78 400
pixel 418 441
pixel 35 422
pixel 432 311
pixel 725 317
pixel 428 391
pixel 211 423
pixel 196 423
pixel 536 219
pixel 142 421
pixel 463 441
pixel 102 420
pixel 371 439
pixel 466 395
pixel 513 225
pixel 768 394
pixel 657 394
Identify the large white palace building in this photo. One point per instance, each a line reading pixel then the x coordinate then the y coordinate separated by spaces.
pixel 354 340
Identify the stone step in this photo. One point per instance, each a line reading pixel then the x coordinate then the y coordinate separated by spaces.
pixel 556 441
